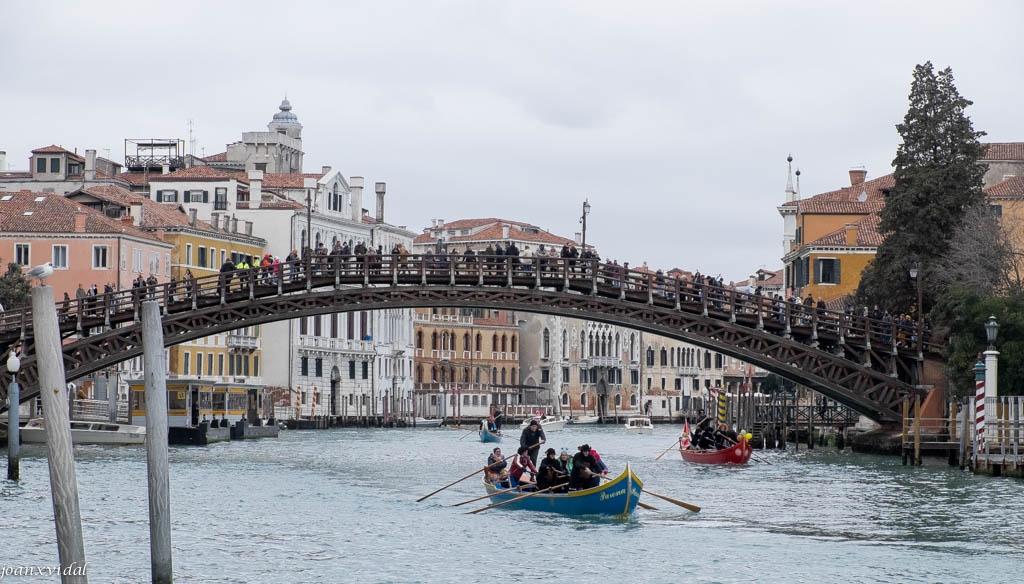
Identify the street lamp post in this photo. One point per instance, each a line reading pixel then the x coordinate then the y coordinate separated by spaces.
pixel 586 211
pixel 991 358
pixel 916 275
pixel 13 411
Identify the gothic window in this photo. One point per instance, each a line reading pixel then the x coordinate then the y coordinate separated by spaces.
pixel 545 351
pixel 565 344
pixel 664 357
pixel 650 356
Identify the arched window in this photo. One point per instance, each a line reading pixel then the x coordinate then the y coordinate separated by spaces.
pixel 504 343
pixel 618 400
pixel 494 343
pixel 565 399
pixel 583 400
pixel 632 347
pixel 478 376
pixel 479 342
pixel 650 356
pixel 419 339
pixel 465 343
pixel 633 401
pixel 504 380
pixel 494 377
pixel 590 345
pixel 565 344
pixel 513 377
pixel 583 345
pixel 618 347
pixel 433 340
pixel 419 374
pixel 664 357
pixel 707 359
pixel 433 374
pixel 444 341
pixel 545 350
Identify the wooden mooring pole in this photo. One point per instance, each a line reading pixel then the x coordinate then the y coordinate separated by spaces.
pixel 157 466
pixel 917 431
pixel 53 391
pixel 13 427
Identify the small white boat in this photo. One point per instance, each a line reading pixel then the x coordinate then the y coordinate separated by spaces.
pixel 639 426
pixel 428 422
pixel 578 420
pixel 547 423
pixel 34 432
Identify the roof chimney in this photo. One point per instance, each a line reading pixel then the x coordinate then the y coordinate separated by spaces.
pixel 857 176
pixel 234 224
pixel 215 221
pixel 356 184
pixel 192 216
pixel 90 165
pixel 3 160
pixel 381 189
pixel 852 231
pixel 136 214
pixel 165 169
pixel 324 170
pixel 248 228
pixel 80 219
pixel 504 231
pixel 255 188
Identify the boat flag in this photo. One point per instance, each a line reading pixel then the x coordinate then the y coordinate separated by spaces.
pixel 684 439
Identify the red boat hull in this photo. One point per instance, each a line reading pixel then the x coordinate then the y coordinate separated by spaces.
pixel 738 453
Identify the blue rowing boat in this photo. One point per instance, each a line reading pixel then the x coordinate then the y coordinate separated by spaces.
pixel 618 496
pixel 487 435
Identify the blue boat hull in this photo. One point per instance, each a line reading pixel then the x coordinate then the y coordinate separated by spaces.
pixel 488 436
pixel 618 496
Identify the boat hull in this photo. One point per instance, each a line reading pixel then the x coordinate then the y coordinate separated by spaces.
pixel 89 433
pixel 582 420
pixel 547 424
pixel 618 496
pixel 488 436
pixel 738 453
pixel 428 422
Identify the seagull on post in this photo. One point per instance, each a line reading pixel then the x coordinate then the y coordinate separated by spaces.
pixel 41 272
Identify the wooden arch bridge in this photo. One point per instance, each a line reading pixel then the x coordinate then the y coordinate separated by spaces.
pixel 870 366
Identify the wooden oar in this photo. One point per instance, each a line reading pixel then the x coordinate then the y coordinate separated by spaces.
pixel 646 506
pixel 464 478
pixel 513 500
pixel 485 496
pixel 688 506
pixel 676 445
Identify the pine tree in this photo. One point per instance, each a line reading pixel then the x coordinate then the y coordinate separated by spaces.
pixel 14 287
pixel 937 179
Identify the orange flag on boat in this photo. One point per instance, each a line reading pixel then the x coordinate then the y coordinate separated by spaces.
pixel 684 439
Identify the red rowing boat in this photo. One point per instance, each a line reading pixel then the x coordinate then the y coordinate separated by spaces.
pixel 738 453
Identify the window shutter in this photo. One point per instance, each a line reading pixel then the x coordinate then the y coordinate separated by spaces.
pixel 206 196
pixel 817 271
pixel 159 196
pixel 837 273
pixel 186 198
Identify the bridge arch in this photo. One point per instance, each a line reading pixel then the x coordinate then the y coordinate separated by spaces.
pixel 711 319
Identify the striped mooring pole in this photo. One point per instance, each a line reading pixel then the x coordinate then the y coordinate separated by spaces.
pixel 979 405
pixel 721 407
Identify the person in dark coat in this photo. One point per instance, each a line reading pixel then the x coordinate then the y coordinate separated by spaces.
pixel 551 472
pixel 531 438
pixel 586 473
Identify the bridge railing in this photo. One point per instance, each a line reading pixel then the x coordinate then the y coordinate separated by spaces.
pixel 774 315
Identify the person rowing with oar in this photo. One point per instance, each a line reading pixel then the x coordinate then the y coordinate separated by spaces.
pixel 586 472
pixel 552 472
pixel 496 473
pixel 521 464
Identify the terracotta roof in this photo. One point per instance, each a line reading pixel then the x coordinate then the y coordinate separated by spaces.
pixel 492 233
pixel 136 178
pixel 54 149
pixel 1003 151
pixel 867 235
pixel 200 173
pixel 1011 188
pixel 219 157
pixel 286 180
pixel 15 175
pixel 282 204
pixel 29 212
pixel 847 199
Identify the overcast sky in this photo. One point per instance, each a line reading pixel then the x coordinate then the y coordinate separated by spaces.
pixel 673 118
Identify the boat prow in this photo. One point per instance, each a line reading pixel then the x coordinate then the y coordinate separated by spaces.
pixel 618 496
pixel 82 432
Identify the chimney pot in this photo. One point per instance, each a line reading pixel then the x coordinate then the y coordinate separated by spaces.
pixel 325 169
pixel 80 219
pixel 857 176
pixel 381 189
pixel 356 185
pixel 193 216
pixel 90 165
pixel 165 169
pixel 852 233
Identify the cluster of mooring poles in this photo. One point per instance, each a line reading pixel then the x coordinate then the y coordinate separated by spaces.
pixel 63 480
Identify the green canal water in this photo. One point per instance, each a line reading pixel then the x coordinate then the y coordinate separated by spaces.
pixel 339 506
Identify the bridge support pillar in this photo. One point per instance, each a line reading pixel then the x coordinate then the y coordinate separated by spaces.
pixel 157 467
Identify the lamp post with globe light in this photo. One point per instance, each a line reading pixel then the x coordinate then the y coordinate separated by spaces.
pixel 14 405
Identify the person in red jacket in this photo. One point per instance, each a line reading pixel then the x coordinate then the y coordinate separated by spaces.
pixel 521 464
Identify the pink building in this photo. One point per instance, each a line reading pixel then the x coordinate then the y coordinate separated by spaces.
pixel 86 247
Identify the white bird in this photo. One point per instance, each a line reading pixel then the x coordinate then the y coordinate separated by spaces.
pixel 41 272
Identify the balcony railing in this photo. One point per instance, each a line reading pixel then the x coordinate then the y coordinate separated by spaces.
pixel 244 342
pixel 354 345
pixel 446 318
pixel 602 362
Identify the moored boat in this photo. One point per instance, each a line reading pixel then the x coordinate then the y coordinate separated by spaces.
pixel 427 422
pixel 639 426
pixel 738 453
pixel 547 423
pixel 618 496
pixel 488 435
pixel 34 432
pixel 579 420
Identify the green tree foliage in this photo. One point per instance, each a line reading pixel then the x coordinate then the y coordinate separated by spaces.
pixel 937 179
pixel 965 313
pixel 14 287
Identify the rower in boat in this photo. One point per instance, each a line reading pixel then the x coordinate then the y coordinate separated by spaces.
pixel 496 469
pixel 586 472
pixel 521 464
pixel 552 473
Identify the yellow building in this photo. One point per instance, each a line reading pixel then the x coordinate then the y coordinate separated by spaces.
pixel 209 378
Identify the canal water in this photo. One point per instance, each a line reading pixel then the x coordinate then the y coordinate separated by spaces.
pixel 339 506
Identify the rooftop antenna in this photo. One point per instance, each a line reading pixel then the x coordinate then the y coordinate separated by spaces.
pixel 191 137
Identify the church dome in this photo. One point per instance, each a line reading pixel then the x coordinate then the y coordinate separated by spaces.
pixel 285 116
